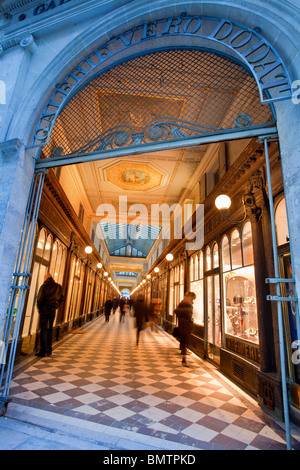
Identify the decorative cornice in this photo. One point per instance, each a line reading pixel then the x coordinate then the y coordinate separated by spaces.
pixel 12 6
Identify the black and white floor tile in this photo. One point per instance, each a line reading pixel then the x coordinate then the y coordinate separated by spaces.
pixel 103 377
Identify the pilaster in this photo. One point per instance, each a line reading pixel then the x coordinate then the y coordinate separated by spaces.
pixel 16 174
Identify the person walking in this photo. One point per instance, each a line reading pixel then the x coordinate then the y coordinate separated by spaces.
pixel 140 312
pixel 49 298
pixel 184 313
pixel 108 306
pixel 122 305
pixel 115 304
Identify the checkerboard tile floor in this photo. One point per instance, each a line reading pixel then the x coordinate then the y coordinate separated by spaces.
pixel 102 376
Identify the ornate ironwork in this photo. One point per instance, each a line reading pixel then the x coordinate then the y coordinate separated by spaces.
pixel 159 98
pixel 267 68
pixel 158 130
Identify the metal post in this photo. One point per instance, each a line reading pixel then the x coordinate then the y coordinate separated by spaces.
pixel 279 306
pixel 19 286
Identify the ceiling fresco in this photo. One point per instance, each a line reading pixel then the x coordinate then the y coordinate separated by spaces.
pixel 133 176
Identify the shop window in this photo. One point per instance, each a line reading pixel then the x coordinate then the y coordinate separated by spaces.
pixel 171 298
pixel 176 292
pixel 88 291
pixel 41 243
pixel 196 260
pixel 226 263
pixel 197 286
pixel 47 249
pixel 236 251
pixel 281 223
pixel 181 282
pixel 192 269
pixel 74 295
pixel 208 259
pixel 201 270
pixel 215 256
pixel 247 245
pixel 239 286
pixel 213 312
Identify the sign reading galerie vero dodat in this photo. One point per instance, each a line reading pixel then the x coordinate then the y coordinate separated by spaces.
pixel 267 67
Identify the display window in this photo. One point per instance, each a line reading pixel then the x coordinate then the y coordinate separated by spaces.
pixel 213 303
pixel 197 286
pixel 89 287
pixel 281 223
pixel 171 295
pixel 181 282
pixel 176 287
pixel 239 285
pixel 73 302
pixel 213 311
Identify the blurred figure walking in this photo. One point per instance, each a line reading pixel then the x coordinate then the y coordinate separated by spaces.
pixel 184 313
pixel 115 304
pixel 108 306
pixel 140 313
pixel 122 305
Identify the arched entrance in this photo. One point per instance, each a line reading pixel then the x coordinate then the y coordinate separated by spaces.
pixel 150 101
pixel 190 98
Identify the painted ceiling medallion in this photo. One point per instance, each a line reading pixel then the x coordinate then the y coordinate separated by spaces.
pixel 134 176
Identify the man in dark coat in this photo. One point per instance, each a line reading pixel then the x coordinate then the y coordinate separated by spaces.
pixel 122 304
pixel 49 298
pixel 140 313
pixel 108 306
pixel 184 313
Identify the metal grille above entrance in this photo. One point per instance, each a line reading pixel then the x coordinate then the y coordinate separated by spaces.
pixel 172 95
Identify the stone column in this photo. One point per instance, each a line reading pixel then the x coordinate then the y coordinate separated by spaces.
pixel 16 173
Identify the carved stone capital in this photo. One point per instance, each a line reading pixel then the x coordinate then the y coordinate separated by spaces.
pixel 74 246
pixel 28 43
pixel 257 182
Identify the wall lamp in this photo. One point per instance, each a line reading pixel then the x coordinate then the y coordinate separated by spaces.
pixel 88 250
pixel 99 265
pixel 223 202
pixel 169 257
pixel 156 270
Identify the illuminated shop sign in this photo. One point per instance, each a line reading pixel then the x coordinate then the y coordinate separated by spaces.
pixel 253 50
